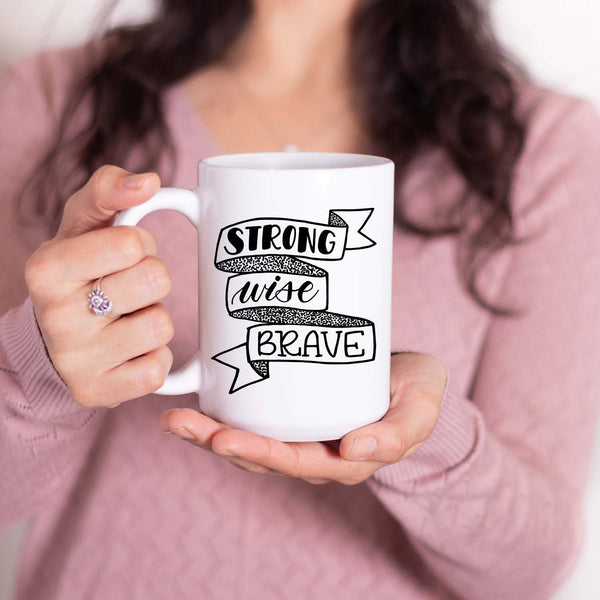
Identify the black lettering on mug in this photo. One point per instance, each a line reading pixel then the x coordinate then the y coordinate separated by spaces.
pixel 287 296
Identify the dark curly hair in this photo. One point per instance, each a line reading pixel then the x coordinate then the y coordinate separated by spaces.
pixel 428 74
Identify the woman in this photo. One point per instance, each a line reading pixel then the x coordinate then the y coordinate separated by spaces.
pixel 467 488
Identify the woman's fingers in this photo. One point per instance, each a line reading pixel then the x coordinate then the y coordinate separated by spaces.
pixel 109 190
pixel 133 335
pixel 60 267
pixel 389 440
pixel 191 425
pixel 195 427
pixel 418 382
pixel 142 285
pixel 136 377
pixel 312 461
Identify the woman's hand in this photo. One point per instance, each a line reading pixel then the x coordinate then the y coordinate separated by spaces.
pixel 418 382
pixel 104 361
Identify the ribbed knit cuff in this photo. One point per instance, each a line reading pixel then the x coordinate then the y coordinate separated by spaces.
pixel 44 390
pixel 452 441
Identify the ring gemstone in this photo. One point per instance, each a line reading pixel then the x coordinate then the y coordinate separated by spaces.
pixel 99 303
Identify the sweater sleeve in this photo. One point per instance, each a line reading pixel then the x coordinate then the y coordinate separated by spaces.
pixel 492 501
pixel 44 433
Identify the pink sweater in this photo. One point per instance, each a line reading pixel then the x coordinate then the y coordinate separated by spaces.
pixel 489 508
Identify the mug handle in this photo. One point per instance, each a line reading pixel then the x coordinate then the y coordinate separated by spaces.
pixel 187 202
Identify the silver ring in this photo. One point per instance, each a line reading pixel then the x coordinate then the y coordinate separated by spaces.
pixel 98 301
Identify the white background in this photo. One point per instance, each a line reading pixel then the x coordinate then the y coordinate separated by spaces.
pixel 557 40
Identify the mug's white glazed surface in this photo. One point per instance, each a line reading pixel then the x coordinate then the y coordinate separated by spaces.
pixel 294 264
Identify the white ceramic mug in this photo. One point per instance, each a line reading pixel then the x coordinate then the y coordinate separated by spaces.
pixel 295 261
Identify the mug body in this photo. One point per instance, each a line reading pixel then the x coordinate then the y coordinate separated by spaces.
pixel 295 260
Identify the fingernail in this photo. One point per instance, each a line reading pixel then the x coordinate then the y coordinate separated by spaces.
pixel 230 450
pixel 363 447
pixel 164 421
pixel 184 433
pixel 134 181
pixel 224 452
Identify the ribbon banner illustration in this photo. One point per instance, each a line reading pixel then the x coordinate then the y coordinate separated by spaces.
pixel 287 297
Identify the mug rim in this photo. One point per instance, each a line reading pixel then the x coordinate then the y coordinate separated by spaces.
pixel 293 161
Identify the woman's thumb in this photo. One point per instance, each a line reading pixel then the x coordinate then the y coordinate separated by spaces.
pixel 109 190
